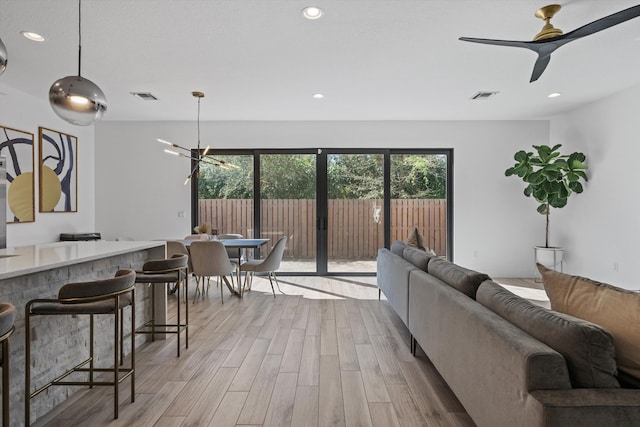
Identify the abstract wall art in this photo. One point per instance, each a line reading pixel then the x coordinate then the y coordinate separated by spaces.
pixel 58 171
pixel 17 146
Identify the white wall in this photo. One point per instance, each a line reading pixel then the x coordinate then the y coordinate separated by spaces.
pixel 21 111
pixel 140 189
pixel 601 226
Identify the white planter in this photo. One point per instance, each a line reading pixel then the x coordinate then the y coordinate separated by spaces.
pixel 549 257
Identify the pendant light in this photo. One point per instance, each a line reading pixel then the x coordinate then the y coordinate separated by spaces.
pixel 201 154
pixel 75 99
pixel 3 57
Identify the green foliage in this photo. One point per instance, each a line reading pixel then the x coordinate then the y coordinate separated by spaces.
pixel 550 177
pixel 357 176
pixel 418 176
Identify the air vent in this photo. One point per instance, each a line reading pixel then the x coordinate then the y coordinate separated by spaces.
pixel 483 95
pixel 145 96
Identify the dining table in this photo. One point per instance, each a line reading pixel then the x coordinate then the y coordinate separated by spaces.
pixel 235 244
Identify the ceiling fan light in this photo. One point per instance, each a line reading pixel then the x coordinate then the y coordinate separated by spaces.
pixel 77 100
pixel 3 57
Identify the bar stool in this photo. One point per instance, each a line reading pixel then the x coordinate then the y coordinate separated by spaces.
pixel 7 319
pixel 97 297
pixel 170 270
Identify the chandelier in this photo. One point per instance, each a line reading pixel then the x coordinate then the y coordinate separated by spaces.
pixel 201 155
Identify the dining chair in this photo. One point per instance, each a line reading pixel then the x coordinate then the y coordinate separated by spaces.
pixel 197 237
pixel 235 254
pixel 210 259
pixel 269 265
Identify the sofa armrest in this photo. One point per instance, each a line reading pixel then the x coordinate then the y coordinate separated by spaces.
pixel 393 279
pixel 586 407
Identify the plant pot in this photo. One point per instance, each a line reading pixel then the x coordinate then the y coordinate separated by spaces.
pixel 550 257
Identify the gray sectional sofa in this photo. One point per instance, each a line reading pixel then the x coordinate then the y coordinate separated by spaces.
pixel 509 362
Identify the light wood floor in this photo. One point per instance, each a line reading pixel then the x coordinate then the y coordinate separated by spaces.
pixel 327 353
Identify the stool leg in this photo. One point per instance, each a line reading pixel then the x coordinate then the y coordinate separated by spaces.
pixel 5 383
pixel 153 312
pixel 27 367
pixel 121 336
pixel 178 293
pixel 116 354
pixel 133 345
pixel 91 351
pixel 186 313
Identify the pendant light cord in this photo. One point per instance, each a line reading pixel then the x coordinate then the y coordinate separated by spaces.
pixel 79 36
pixel 199 153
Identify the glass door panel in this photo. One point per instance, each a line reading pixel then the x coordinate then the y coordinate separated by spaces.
pixel 355 213
pixel 419 198
pixel 225 195
pixel 288 208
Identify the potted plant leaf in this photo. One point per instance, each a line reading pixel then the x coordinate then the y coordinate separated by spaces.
pixel 551 177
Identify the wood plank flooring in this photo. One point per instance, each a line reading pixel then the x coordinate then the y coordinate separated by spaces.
pixel 324 353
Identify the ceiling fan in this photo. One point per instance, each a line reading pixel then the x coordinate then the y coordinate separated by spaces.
pixel 551 38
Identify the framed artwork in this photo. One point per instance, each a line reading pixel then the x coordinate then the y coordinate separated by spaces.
pixel 17 146
pixel 58 171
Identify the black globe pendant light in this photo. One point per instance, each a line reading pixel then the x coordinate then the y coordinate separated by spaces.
pixel 75 99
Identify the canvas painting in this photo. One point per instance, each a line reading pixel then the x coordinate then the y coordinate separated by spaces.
pixel 58 171
pixel 17 147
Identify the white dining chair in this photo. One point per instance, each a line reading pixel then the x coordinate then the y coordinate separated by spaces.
pixel 269 265
pixel 210 259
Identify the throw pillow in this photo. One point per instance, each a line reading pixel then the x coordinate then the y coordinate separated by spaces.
pixel 397 247
pixel 460 278
pixel 417 257
pixel 615 309
pixel 416 240
pixel 587 348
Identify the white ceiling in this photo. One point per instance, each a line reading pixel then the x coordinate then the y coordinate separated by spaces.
pixel 372 59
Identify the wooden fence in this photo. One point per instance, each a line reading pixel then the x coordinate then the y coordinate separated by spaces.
pixel 355 227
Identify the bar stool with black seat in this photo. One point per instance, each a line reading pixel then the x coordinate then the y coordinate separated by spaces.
pixel 87 298
pixel 7 320
pixel 169 271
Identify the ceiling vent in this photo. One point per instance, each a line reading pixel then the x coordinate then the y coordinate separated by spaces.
pixel 483 95
pixel 145 96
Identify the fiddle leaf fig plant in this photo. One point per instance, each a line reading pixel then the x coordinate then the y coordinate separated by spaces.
pixel 551 177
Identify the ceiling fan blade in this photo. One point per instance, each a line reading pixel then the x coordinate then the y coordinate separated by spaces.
pixel 539 67
pixel 603 23
pixel 511 43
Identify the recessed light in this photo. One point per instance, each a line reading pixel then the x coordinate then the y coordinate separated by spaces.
pixel 312 12
pixel 32 36
pixel 554 95
pixel 317 96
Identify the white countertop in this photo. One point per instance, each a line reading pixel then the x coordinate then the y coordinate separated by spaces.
pixel 32 259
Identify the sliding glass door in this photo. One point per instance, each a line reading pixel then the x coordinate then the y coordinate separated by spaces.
pixel 355 217
pixel 288 207
pixel 336 207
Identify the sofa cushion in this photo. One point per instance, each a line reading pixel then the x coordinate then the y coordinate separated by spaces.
pixel 397 247
pixel 587 348
pixel 462 279
pixel 416 239
pixel 417 257
pixel 615 309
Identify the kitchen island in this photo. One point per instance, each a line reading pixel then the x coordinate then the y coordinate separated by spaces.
pixel 38 271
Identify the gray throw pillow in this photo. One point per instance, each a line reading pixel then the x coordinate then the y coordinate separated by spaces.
pixel 460 278
pixel 587 348
pixel 417 257
pixel 397 247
